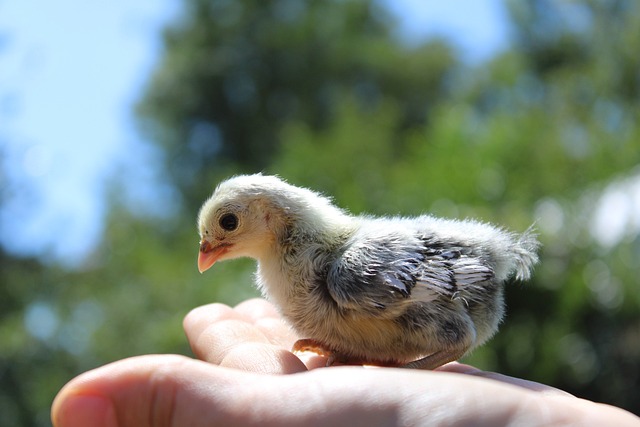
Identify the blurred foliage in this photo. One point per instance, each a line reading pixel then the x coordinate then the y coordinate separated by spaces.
pixel 235 73
pixel 324 94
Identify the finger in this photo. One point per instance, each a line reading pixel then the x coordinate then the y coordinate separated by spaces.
pixel 215 330
pixel 221 335
pixel 263 359
pixel 257 309
pixel 266 317
pixel 162 390
pixel 237 344
pixel 200 318
pixel 217 339
pixel 257 312
pixel 277 331
pixel 151 391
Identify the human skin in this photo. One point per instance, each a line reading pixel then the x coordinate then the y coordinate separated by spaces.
pixel 246 376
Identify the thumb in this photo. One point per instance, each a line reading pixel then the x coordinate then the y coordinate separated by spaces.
pixel 169 390
pixel 159 390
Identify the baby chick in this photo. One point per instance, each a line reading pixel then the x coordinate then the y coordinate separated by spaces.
pixel 412 292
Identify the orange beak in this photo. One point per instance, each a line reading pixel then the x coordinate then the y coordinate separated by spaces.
pixel 210 254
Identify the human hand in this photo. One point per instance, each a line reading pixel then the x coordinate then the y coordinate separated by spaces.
pixel 235 384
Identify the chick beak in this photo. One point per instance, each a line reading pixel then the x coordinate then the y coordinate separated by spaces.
pixel 209 254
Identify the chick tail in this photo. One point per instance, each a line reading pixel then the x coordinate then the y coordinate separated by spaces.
pixel 525 251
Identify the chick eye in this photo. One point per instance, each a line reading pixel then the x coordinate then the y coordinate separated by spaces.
pixel 229 222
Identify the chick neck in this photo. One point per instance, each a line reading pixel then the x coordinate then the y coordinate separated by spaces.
pixel 313 219
pixel 312 233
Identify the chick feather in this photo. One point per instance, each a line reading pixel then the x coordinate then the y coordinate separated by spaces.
pixel 413 292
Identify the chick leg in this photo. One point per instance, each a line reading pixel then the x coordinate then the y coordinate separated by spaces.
pixel 436 359
pixel 449 336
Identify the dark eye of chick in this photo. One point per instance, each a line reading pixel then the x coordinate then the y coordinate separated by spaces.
pixel 229 222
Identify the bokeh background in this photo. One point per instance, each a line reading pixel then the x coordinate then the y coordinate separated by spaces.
pixel 117 120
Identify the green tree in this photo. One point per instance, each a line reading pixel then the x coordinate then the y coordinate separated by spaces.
pixel 235 73
pixel 323 94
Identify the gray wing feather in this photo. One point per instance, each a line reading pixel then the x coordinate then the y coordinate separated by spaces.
pixel 374 275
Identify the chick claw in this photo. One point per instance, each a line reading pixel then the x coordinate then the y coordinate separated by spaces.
pixel 314 346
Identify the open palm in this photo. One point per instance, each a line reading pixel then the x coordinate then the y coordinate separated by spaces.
pixel 247 376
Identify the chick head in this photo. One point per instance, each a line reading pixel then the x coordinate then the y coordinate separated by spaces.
pixel 238 220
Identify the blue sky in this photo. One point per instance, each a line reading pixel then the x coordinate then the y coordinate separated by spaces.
pixel 71 71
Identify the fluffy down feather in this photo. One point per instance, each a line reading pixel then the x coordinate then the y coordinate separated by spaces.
pixel 414 292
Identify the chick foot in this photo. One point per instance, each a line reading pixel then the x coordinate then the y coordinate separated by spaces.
pixel 334 357
pixel 317 347
pixel 435 360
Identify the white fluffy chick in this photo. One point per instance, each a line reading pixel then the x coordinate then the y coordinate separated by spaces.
pixel 412 292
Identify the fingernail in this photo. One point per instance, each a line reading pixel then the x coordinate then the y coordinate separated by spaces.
pixel 83 411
